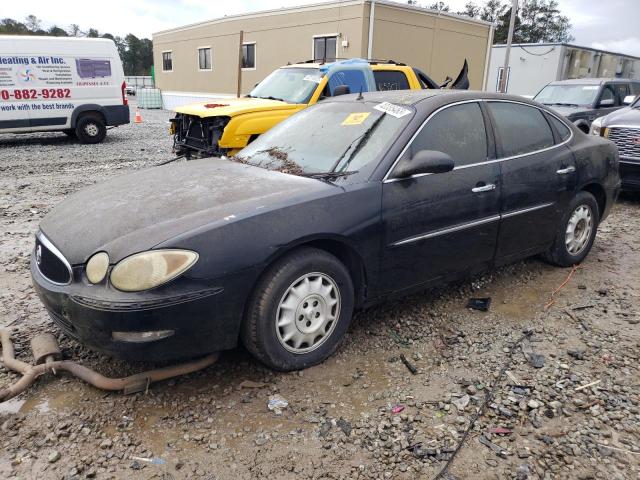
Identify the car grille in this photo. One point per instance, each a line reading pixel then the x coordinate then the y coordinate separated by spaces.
pixel 627 140
pixel 63 324
pixel 51 264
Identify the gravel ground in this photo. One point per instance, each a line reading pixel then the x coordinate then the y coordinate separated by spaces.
pixel 362 413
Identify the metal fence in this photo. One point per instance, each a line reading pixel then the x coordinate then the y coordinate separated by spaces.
pixel 140 81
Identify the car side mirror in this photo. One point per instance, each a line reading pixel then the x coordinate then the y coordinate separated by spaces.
pixel 341 90
pixel 628 100
pixel 607 102
pixel 425 161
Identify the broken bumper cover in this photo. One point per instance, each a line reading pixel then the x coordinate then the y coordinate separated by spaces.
pixel 193 322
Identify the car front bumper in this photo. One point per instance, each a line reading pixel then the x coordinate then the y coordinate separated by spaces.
pixel 630 173
pixel 203 318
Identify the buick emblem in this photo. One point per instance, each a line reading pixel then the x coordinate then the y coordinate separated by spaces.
pixel 39 254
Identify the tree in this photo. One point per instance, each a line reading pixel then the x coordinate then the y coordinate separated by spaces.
pixel 470 10
pixel 32 23
pixel 93 33
pixel 439 6
pixel 57 31
pixel 9 26
pixel 74 30
pixel 542 22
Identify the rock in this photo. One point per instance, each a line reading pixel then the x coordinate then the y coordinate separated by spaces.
pixel 106 443
pixel 462 402
pixel 53 456
pixel 533 404
pixel 536 360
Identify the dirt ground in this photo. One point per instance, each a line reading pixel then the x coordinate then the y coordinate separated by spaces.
pixel 362 413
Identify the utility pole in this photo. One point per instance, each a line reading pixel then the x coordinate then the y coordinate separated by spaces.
pixel 507 53
pixel 239 90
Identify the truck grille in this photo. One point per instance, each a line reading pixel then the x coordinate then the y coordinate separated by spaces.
pixel 51 264
pixel 627 140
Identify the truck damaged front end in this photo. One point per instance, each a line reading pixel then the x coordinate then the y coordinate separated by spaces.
pixel 198 137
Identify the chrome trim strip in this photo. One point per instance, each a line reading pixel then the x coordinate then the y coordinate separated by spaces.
pixel 386 178
pixel 446 230
pixel 632 127
pixel 52 248
pixel 513 213
pixel 475 223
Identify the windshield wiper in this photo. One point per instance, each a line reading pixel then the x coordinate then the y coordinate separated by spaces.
pixel 271 97
pixel 328 175
pixel 362 140
pixel 564 104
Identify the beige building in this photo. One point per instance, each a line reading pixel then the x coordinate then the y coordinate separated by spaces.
pixel 196 61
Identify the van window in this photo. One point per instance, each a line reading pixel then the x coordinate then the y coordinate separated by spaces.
pixel 390 80
pixel 167 63
pixel 521 128
pixel 458 131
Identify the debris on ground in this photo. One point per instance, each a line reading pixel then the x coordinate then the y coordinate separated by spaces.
pixel 277 404
pixel 480 304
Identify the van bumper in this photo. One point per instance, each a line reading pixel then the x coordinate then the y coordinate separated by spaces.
pixel 116 114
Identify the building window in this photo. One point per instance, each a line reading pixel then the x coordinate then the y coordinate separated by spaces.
pixel 499 79
pixel 204 58
pixel 325 48
pixel 249 56
pixel 167 62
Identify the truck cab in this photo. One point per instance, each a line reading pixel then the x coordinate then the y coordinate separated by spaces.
pixel 225 126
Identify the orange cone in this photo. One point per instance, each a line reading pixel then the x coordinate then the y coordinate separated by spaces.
pixel 138 118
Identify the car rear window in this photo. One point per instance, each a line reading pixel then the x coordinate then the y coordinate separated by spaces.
pixel 390 80
pixel 560 127
pixel 521 129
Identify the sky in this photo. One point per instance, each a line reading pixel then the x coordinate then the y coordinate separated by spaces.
pixel 610 25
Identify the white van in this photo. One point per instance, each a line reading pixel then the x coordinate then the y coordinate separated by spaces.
pixel 72 85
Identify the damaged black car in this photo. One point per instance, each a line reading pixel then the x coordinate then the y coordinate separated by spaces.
pixel 347 203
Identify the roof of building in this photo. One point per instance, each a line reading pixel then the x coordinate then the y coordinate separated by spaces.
pixel 524 47
pixel 320 6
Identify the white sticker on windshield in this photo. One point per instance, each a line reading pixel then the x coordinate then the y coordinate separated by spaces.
pixel 590 87
pixel 312 78
pixel 393 110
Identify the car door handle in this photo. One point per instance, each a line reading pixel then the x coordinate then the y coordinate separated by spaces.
pixel 484 188
pixel 565 171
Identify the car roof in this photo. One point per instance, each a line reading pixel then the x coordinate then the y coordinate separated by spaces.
pixel 413 97
pixel 592 81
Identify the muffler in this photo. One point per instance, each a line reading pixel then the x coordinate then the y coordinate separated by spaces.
pixel 47 357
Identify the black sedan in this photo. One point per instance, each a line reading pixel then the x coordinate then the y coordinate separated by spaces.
pixel 351 201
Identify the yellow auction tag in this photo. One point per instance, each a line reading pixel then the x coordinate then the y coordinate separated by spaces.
pixel 356 118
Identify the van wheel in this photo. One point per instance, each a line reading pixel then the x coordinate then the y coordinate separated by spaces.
pixel 576 232
pixel 91 129
pixel 70 132
pixel 299 311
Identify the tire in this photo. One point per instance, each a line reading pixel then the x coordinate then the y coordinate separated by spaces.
pixel 309 317
pixel 582 217
pixel 70 132
pixel 91 129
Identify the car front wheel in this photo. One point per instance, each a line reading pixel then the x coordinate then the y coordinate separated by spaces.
pixel 576 232
pixel 300 310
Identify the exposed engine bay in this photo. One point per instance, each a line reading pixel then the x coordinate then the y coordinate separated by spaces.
pixel 196 137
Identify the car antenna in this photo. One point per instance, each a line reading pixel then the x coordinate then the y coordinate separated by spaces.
pixel 360 97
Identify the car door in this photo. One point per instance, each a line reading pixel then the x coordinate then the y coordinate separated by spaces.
pixel 538 178
pixel 438 225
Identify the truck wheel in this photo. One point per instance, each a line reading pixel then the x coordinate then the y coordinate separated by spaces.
pixel 91 129
pixel 299 311
pixel 576 232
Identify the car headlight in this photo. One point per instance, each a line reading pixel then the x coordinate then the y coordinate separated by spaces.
pixel 596 126
pixel 97 267
pixel 146 270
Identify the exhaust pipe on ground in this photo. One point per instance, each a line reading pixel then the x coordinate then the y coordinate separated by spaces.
pixel 47 356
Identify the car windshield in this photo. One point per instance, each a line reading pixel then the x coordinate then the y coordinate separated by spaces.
pixel 337 137
pixel 574 94
pixel 291 85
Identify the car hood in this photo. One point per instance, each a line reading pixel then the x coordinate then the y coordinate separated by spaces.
pixel 229 107
pixel 138 211
pixel 627 116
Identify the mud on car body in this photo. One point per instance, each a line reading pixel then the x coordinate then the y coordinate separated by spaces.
pixel 351 201
pixel 224 126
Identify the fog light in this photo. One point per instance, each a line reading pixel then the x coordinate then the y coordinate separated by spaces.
pixel 97 267
pixel 141 337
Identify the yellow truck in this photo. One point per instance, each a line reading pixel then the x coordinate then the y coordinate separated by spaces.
pixel 225 126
